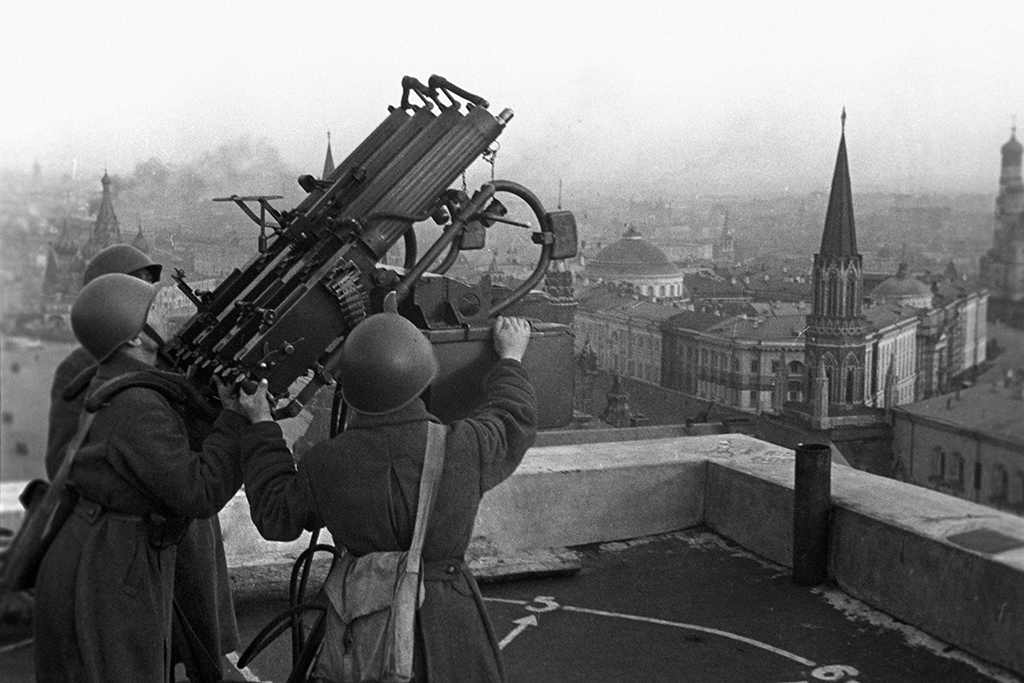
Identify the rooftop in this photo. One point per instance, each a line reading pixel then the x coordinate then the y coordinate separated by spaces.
pixel 994 407
pixel 766 328
pixel 673 554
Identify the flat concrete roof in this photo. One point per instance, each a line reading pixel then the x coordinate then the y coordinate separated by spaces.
pixel 687 605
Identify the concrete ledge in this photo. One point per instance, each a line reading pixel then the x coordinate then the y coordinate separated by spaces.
pixel 890 541
pixel 890 547
pixel 572 495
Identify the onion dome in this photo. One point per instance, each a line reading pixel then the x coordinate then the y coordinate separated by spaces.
pixel 65 244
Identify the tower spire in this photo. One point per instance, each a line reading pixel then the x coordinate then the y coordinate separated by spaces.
pixel 328 159
pixel 840 237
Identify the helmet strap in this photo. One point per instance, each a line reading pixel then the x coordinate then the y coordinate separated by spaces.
pixel 154 335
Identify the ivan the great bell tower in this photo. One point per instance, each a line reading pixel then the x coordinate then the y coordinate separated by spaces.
pixel 1002 268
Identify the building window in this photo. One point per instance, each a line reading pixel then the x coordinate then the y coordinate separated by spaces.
pixel 775 367
pixel 755 367
pixel 938 465
pixel 753 398
pixel 1000 484
pixel 958 468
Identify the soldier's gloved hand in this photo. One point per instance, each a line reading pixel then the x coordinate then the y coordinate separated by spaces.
pixel 511 337
pixel 256 406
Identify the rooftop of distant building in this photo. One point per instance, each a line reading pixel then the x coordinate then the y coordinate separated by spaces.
pixel 994 407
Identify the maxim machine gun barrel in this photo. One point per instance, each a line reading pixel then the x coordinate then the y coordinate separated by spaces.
pixel 318 271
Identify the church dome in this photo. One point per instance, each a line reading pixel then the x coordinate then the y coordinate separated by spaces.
pixel 632 256
pixel 903 288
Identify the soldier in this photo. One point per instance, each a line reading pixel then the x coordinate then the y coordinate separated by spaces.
pixel 104 589
pixel 119 258
pixel 363 485
pixel 205 627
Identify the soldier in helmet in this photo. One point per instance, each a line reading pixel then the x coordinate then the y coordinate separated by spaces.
pixel 363 485
pixel 118 258
pixel 205 627
pixel 104 588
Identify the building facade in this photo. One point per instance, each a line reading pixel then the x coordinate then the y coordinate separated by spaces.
pixel 968 444
pixel 636 263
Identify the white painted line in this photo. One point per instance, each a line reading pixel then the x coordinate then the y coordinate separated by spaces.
pixel 704 629
pixel 523 624
pixel 507 601
pixel 15 646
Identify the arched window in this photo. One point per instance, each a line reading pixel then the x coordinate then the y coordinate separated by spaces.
pixel 851 293
pixel 851 383
pixel 833 295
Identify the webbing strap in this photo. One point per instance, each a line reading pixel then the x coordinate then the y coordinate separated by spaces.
pixel 433 464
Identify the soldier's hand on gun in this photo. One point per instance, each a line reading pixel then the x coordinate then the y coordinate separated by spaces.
pixel 256 406
pixel 511 337
pixel 228 396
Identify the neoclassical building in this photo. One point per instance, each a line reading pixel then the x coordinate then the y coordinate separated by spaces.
pixel 636 264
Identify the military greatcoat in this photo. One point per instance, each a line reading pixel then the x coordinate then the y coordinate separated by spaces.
pixel 103 596
pixel 363 485
pixel 202 586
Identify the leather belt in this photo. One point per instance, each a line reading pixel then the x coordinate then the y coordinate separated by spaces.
pixel 90 511
pixel 444 570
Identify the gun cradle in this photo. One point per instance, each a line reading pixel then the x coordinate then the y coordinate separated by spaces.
pixel 284 316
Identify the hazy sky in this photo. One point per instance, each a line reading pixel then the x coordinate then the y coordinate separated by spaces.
pixel 709 96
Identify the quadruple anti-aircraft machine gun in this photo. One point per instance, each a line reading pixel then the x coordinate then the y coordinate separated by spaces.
pixel 321 266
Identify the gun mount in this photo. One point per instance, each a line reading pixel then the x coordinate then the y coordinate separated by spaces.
pixel 320 267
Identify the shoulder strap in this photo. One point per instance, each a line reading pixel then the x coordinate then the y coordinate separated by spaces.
pixel 433 464
pixel 99 398
pixel 85 419
pixel 172 387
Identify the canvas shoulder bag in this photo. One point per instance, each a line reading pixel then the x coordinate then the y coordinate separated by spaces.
pixel 370 627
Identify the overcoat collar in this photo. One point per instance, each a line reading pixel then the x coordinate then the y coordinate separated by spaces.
pixel 414 412
pixel 120 364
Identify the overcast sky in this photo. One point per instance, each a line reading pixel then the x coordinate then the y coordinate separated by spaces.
pixel 710 96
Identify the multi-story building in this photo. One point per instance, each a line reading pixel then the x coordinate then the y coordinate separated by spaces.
pixel 623 332
pixel 752 363
pixel 968 444
pixel 840 367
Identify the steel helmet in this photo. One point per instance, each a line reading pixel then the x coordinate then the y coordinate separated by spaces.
pixel 120 258
pixel 386 363
pixel 109 311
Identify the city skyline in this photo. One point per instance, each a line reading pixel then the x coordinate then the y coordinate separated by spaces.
pixel 737 98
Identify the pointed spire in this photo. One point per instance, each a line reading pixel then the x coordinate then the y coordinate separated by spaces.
pixel 328 160
pixel 840 238
pixel 140 242
pixel 106 230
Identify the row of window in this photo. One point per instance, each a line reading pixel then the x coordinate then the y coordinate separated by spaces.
pixel 949 470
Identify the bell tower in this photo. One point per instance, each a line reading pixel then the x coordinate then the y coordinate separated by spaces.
pixel 836 329
pixel 1002 268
